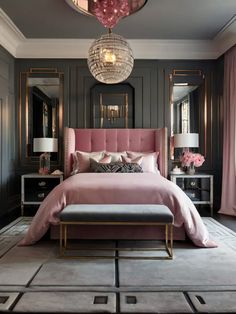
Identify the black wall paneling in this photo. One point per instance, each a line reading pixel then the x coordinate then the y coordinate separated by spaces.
pixel 151 93
pixel 112 108
pixel 9 196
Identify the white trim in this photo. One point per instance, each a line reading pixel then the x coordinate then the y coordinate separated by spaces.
pixel 172 49
pixel 15 42
pixel 226 38
pixel 10 35
pixel 143 49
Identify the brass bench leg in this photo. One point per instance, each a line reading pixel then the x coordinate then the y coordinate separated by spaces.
pixel 169 242
pixel 61 251
pixel 63 238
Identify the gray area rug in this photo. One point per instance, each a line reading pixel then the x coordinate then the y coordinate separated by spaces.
pixel 35 279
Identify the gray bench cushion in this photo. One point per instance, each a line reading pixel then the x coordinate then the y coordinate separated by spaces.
pixel 116 213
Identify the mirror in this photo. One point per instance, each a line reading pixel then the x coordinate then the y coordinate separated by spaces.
pixel 42 97
pixel 187 95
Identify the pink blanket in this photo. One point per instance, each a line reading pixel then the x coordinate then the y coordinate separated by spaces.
pixel 118 188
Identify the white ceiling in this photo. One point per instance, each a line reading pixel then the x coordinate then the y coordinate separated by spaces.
pixel 188 29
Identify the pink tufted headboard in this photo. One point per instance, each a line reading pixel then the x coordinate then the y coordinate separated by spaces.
pixel 115 140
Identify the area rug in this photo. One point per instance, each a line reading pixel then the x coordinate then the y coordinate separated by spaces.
pixel 35 279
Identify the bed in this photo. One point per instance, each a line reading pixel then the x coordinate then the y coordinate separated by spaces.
pixel 119 188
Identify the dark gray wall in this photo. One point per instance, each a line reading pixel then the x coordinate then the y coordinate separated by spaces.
pixel 8 157
pixel 150 81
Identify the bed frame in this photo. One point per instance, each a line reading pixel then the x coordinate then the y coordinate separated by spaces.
pixel 115 140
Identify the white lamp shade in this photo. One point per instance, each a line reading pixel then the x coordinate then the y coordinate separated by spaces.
pixel 186 140
pixel 45 145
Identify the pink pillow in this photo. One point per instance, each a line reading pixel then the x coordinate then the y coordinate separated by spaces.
pixel 82 160
pixel 137 160
pixel 149 162
pixel 105 160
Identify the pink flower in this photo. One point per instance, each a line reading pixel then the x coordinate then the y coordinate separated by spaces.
pixel 189 158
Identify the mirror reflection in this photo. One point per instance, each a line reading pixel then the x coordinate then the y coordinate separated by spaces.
pixel 187 106
pixel 42 97
pixel 44 102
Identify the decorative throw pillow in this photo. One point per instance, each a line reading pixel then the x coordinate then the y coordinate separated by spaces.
pixel 82 160
pixel 116 156
pixel 106 159
pixel 149 161
pixel 137 160
pixel 115 167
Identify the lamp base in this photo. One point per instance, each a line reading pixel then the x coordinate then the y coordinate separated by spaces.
pixel 44 163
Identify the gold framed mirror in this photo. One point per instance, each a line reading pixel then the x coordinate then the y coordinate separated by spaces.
pixel 188 107
pixel 41 109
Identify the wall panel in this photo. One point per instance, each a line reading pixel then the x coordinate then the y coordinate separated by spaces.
pixel 9 197
pixel 150 81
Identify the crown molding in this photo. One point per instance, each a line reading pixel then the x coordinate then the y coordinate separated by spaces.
pixel 142 49
pixel 226 38
pixel 19 46
pixel 10 36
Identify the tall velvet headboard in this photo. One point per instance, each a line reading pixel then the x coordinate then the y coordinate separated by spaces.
pixel 115 140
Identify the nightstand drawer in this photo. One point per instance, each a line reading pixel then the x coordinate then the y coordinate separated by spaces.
pixel 198 187
pixel 36 189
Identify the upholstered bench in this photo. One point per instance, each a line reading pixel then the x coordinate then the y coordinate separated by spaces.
pixel 119 214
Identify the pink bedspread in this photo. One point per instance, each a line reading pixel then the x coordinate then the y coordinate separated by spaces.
pixel 118 188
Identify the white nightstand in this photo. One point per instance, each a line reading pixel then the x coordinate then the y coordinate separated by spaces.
pixel 35 187
pixel 198 187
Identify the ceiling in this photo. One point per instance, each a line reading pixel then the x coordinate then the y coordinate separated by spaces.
pixel 188 29
pixel 159 19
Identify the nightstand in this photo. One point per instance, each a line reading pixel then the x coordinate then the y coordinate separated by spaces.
pixel 198 187
pixel 35 187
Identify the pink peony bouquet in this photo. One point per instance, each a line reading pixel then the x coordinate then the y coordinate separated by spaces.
pixel 192 159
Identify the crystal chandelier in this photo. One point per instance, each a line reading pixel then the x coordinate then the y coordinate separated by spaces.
pixel 110 58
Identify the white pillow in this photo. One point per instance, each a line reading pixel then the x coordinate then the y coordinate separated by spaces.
pixel 149 161
pixel 82 160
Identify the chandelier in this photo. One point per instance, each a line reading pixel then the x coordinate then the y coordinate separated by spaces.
pixel 110 58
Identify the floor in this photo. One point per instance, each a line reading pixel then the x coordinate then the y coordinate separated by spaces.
pixel 34 278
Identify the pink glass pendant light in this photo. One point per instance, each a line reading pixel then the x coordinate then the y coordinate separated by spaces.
pixel 87 6
pixel 109 12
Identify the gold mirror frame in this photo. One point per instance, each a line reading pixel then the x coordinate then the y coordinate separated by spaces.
pixel 191 77
pixel 24 111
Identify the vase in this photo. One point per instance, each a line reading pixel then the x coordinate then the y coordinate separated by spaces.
pixel 191 169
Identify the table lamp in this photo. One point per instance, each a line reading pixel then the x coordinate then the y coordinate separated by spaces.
pixel 186 140
pixel 46 146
